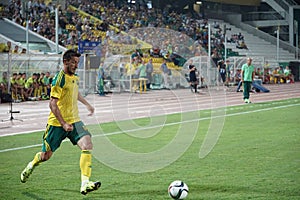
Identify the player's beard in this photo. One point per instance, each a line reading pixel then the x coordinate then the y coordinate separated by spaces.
pixel 70 70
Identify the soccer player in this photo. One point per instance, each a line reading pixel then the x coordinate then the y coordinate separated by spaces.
pixel 247 78
pixel 64 122
pixel 47 84
pixel 21 86
pixel 14 86
pixel 29 84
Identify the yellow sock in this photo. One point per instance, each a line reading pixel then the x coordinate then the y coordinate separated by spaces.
pixel 45 90
pixel 37 159
pixel 35 92
pixel 40 91
pixel 85 165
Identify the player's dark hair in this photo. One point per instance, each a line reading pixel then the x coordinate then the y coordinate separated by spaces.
pixel 70 54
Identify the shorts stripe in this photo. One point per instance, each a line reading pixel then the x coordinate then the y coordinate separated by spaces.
pixel 46 147
pixel 54 135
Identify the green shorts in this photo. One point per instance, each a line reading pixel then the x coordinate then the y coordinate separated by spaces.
pixel 54 135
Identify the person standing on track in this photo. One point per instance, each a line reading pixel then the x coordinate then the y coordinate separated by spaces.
pixel 193 77
pixel 64 122
pixel 247 78
pixel 222 71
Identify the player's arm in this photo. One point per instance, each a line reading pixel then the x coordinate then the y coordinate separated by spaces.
pixel 86 103
pixel 191 68
pixel 242 76
pixel 55 110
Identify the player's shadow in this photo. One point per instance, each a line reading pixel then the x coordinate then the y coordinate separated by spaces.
pixel 93 195
pixel 135 193
pixel 102 194
pixel 32 196
pixel 229 189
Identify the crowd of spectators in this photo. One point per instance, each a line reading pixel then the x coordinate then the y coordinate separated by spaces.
pixel 23 88
pixel 5 48
pixel 276 75
pixel 122 16
pixel 239 40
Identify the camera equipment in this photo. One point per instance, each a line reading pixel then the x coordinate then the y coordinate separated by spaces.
pixel 12 112
pixel 9 95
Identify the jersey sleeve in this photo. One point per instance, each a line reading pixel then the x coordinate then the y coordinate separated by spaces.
pixel 56 91
pixel 57 85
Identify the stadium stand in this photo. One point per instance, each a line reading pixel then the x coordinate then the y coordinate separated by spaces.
pixel 109 22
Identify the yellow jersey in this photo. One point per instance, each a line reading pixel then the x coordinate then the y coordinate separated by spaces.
pixel 12 81
pixel 65 89
pixel 21 82
pixel 29 82
pixel 130 69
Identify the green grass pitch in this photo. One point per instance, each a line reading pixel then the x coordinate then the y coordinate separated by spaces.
pixel 257 156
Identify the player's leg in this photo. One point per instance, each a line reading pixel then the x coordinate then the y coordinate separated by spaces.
pixel 36 89
pixel 191 86
pixel 245 91
pixel 247 87
pixel 81 136
pixel 14 92
pixel 223 77
pixel 86 146
pixel 195 86
pixel 22 93
pixel 29 92
pixel 25 93
pixel 38 158
pixel 52 138
pixel 239 86
pixel 165 75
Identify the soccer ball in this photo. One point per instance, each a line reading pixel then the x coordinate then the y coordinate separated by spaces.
pixel 178 190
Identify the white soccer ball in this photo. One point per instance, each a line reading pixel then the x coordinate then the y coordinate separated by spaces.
pixel 178 190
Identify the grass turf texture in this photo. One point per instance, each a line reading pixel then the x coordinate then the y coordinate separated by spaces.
pixel 256 157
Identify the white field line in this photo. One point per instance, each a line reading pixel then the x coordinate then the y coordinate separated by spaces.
pixel 168 124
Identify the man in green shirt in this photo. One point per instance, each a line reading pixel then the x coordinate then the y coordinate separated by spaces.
pixel 142 70
pixel 247 77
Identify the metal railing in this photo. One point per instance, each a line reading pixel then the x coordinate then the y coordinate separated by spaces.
pixel 289 2
pixel 255 16
pixel 283 4
pixel 29 63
